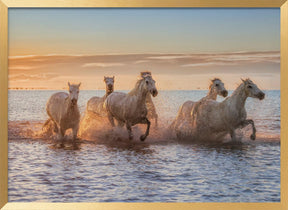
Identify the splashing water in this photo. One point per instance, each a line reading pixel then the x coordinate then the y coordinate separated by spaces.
pixel 98 129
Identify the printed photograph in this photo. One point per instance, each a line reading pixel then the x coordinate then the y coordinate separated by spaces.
pixel 144 105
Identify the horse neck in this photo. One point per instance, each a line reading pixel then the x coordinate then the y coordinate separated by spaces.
pixel 108 92
pixel 212 94
pixel 148 98
pixel 238 97
pixel 139 92
pixel 69 106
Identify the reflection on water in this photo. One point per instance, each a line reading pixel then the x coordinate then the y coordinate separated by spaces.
pixel 144 173
pixel 105 167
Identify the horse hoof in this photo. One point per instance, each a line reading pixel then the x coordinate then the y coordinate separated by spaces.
pixel 59 145
pixel 253 137
pixel 76 139
pixel 143 137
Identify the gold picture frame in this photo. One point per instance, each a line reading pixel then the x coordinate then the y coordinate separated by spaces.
pixel 6 4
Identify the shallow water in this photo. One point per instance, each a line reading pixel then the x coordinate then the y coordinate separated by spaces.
pixel 157 170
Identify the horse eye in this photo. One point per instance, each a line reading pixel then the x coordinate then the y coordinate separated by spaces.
pixel 147 82
pixel 249 86
pixel 217 85
pixel 70 91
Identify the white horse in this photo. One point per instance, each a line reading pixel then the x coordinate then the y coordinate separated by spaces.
pixel 63 111
pixel 216 87
pixel 152 114
pixel 213 120
pixel 130 109
pixel 95 104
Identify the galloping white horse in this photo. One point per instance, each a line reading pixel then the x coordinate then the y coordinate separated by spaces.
pixel 63 111
pixel 216 87
pixel 130 109
pixel 152 114
pixel 95 104
pixel 213 120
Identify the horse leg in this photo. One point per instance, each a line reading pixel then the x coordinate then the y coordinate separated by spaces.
pixel 247 122
pixel 56 128
pixel 120 123
pixel 233 136
pixel 62 133
pixel 156 120
pixel 111 119
pixel 144 136
pixel 128 126
pixel 179 134
pixel 75 131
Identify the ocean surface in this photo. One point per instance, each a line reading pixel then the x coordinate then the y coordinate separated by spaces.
pixel 107 167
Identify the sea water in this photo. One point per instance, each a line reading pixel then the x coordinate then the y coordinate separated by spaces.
pixel 161 169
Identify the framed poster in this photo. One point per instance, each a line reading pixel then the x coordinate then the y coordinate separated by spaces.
pixel 96 54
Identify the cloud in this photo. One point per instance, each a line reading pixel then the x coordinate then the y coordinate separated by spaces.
pixel 22 56
pixel 21 67
pixel 103 65
pixel 141 61
pixel 169 57
pixel 225 59
pixel 26 77
pixel 111 60
pixel 206 64
pixel 172 71
pixel 158 63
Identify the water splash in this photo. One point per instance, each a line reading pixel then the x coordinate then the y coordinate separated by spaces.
pixel 96 129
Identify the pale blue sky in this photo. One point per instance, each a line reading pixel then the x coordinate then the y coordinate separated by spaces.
pixel 102 31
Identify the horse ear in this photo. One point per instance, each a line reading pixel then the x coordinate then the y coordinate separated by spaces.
pixel 113 77
pixel 243 80
pixel 79 84
pixel 69 84
pixel 104 78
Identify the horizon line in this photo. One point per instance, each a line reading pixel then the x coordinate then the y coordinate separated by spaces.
pixel 146 53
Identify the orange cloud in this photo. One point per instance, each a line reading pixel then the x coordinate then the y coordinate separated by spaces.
pixel 172 71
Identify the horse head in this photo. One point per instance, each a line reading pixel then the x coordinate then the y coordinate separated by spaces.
pixel 218 86
pixel 150 85
pixel 109 84
pixel 73 92
pixel 252 90
pixel 145 73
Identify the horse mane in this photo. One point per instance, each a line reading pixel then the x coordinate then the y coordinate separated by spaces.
pixel 240 87
pixel 247 81
pixel 136 87
pixel 142 73
pixel 108 77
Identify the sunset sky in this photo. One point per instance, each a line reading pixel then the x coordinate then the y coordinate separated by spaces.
pixel 183 48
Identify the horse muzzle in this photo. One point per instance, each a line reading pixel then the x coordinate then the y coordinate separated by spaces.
pixel 224 93
pixel 154 93
pixel 261 96
pixel 74 101
pixel 110 90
